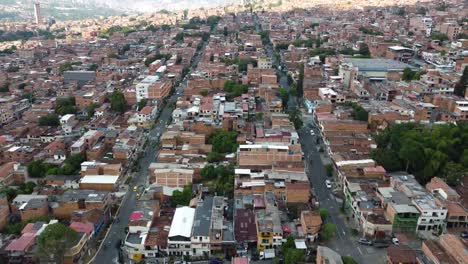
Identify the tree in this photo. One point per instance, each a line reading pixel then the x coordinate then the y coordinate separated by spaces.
pixel 294 256
pixel 4 88
pixel 436 35
pixel 181 197
pixel 38 169
pixel 328 231
pixel 55 240
pixel 364 50
pixel 65 67
pixel 112 56
pixel 93 67
pixel 142 104
pixel 49 120
pixel 460 87
pixel 234 89
pixel 329 170
pixel 65 106
pixel 453 172
pixel 387 158
pixel 284 95
pixel 295 118
pixel 359 113
pixel 91 109
pixel 118 102
pixel 348 260
pixel 224 141
pixel 12 68
pixel 208 172
pixel 214 157
pixel 324 213
pixel 300 81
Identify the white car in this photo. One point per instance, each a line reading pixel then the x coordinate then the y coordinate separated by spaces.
pixel 328 184
pixel 395 241
pixel 312 132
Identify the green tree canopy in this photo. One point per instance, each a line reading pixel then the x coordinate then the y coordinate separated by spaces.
pixel 182 197
pixel 49 120
pixel 118 102
pixel 424 152
pixel 55 240
pixel 224 141
pixel 324 213
pixel 364 50
pixel 328 231
pixel 460 87
pixel 65 106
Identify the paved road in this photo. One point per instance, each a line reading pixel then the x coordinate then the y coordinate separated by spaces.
pixel 283 77
pixel 117 231
pixel 343 243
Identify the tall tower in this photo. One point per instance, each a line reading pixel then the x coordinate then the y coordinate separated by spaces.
pixel 37 12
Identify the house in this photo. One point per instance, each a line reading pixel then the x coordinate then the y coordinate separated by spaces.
pixel 99 182
pixel 326 255
pixel 311 223
pixel 30 206
pixel 72 201
pixel 4 210
pixel 171 175
pixel 76 253
pixel 245 226
pixel 139 226
pixel 200 240
pixel 401 254
pixel 63 181
pixel 267 154
pixel 180 233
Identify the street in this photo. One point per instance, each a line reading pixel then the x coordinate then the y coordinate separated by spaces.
pixel 343 243
pixel 116 231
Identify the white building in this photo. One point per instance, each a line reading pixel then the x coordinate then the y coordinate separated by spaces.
pixel 180 234
pixel 432 216
pixel 142 89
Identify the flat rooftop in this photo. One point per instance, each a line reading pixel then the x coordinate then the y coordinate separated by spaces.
pixel 377 64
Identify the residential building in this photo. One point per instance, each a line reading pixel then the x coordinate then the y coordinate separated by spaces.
pixel 180 233
pixel 311 223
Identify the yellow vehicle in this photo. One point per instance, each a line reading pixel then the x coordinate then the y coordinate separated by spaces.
pixel 135 189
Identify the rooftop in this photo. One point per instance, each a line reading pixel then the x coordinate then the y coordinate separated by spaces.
pixel 201 223
pixel 182 222
pixel 377 64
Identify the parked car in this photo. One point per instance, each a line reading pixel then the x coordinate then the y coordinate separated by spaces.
pixel 464 234
pixel 328 184
pixel 395 241
pixel 364 241
pixel 312 132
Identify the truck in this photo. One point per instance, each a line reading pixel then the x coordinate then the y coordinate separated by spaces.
pixel 267 254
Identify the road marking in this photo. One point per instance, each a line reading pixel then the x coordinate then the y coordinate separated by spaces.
pixel 359 249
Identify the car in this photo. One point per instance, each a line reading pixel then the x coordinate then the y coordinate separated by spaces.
pixel 312 132
pixel 328 184
pixel 395 241
pixel 464 234
pixel 364 241
pixel 135 188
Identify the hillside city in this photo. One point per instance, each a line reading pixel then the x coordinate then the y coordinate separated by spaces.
pixel 268 131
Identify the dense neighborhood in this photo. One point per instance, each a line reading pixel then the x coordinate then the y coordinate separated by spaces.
pixel 240 134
